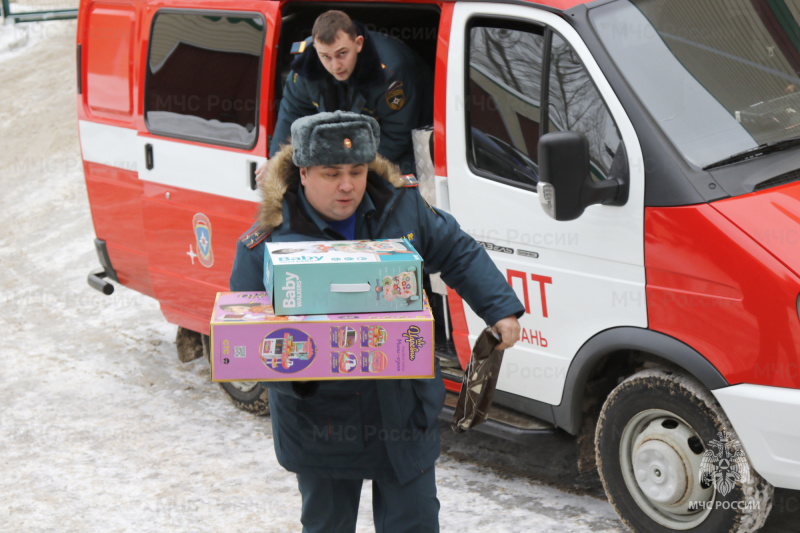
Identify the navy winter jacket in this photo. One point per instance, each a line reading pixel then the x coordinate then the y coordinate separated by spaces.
pixel 366 428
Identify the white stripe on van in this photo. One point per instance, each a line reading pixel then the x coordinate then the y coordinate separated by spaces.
pixel 108 145
pixel 189 166
pixel 199 168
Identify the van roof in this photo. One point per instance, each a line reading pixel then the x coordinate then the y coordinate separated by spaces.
pixel 561 5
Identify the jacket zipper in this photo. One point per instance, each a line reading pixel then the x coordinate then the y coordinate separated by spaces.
pixel 388 213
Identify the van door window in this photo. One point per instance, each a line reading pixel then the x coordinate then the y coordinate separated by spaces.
pixel 503 95
pixel 202 77
pixel 525 81
pixel 574 104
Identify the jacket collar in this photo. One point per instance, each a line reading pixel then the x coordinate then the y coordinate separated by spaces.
pixel 283 201
pixel 368 70
pixel 364 208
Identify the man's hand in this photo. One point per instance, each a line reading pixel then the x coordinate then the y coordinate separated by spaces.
pixel 261 172
pixel 508 330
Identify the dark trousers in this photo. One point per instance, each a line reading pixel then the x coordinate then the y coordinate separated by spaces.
pixel 331 505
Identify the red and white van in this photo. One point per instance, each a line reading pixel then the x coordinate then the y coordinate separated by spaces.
pixel 633 166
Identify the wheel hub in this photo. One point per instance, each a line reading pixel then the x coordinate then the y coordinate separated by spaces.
pixel 660 472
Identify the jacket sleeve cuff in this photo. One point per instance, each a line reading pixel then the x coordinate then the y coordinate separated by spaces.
pixel 494 316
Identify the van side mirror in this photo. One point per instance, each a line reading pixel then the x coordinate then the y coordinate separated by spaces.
pixel 566 186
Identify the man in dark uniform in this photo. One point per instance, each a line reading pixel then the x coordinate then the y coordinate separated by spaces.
pixel 332 185
pixel 342 66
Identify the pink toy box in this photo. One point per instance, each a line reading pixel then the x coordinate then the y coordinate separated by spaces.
pixel 250 343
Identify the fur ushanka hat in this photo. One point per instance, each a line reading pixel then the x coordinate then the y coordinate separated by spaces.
pixel 337 138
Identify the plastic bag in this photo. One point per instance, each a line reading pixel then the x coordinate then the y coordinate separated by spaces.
pixel 479 382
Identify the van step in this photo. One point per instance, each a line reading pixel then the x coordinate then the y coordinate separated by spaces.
pixel 444 349
pixel 503 422
pixel 450 369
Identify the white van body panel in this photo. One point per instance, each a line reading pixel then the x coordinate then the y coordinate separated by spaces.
pixel 767 422
pixel 104 144
pixel 200 168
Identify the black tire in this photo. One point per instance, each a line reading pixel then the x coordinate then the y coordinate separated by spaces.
pixel 659 431
pixel 248 396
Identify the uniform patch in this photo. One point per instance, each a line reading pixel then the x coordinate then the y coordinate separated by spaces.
pixel 409 236
pixel 254 237
pixel 395 97
pixel 202 237
pixel 410 180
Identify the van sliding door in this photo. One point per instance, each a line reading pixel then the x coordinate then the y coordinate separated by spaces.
pixel 208 80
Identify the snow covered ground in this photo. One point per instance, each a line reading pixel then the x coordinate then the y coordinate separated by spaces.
pixel 103 429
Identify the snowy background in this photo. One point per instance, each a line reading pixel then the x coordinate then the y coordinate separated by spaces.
pixel 103 429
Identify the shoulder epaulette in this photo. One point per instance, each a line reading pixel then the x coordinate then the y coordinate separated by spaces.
pixel 410 180
pixel 384 67
pixel 299 47
pixel 254 236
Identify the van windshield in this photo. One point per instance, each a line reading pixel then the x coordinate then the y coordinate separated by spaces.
pixel 719 76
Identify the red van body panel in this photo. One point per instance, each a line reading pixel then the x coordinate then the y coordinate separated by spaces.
pixel 172 273
pixel 718 290
pixel 772 218
pixel 115 198
pixel 440 89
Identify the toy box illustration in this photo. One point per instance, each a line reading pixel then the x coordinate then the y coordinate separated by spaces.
pixel 250 343
pixel 317 277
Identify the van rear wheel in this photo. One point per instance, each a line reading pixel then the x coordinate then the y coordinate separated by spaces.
pixel 250 396
pixel 670 461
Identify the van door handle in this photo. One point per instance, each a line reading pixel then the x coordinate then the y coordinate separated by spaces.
pixel 253 167
pixel 148 156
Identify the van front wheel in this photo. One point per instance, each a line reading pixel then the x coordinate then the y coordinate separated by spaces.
pixel 670 461
pixel 250 396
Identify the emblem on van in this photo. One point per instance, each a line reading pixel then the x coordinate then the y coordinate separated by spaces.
pixel 492 247
pixel 202 237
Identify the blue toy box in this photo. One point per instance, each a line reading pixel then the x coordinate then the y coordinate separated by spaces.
pixel 322 277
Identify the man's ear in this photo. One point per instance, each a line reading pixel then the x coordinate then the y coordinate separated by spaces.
pixel 359 43
pixel 303 176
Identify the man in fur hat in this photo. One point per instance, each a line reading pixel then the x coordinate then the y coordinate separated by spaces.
pixel 330 184
pixel 345 67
